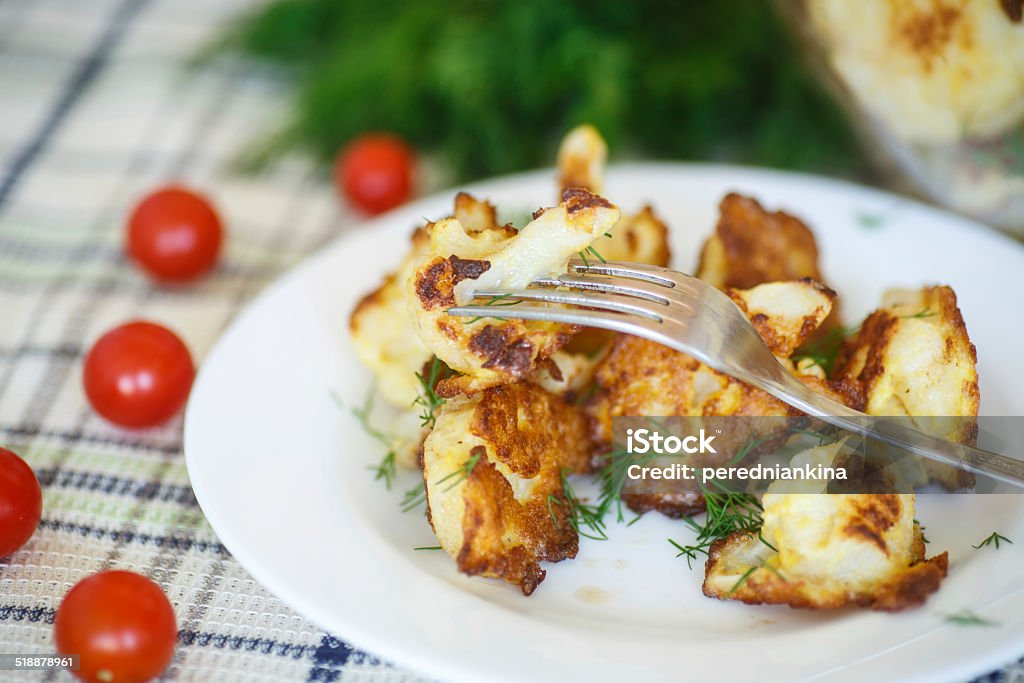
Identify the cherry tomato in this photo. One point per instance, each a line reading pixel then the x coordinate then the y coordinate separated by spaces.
pixel 175 234
pixel 120 623
pixel 375 172
pixel 21 502
pixel 138 374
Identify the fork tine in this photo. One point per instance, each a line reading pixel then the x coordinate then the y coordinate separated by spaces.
pixel 626 322
pixel 633 271
pixel 604 302
pixel 632 288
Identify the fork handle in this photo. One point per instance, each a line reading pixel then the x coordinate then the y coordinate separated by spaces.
pixel 792 391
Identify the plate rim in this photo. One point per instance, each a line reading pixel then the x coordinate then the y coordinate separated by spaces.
pixel 450 669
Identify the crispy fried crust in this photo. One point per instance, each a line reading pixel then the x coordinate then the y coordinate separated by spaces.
pixel 381 326
pixel 487 351
pixel 498 521
pixel 476 215
pixel 751 246
pixel 731 557
pixel 913 357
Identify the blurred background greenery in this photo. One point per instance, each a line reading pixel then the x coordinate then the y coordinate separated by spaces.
pixel 489 87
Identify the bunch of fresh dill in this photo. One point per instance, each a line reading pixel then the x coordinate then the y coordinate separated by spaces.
pixel 489 87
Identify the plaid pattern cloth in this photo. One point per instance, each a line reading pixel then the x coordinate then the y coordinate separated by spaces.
pixel 96 108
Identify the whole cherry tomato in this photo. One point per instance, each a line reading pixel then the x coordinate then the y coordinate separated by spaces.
pixel 21 502
pixel 120 623
pixel 375 172
pixel 138 374
pixel 175 234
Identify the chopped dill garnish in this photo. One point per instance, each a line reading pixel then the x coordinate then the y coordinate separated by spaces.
pixel 499 300
pixel 749 445
pixel 586 394
pixel 727 512
pixel 823 350
pixel 460 474
pixel 742 580
pixel 583 257
pixel 924 539
pixel 428 547
pixel 608 235
pixel 612 476
pixel 994 539
pixel 822 437
pixel 387 468
pixel 596 253
pixel 417 495
pixel 870 220
pixel 579 514
pixel 923 313
pixel 413 497
pixel 428 399
pixel 968 618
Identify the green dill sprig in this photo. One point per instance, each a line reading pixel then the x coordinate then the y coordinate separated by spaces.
pixel 387 468
pixel 594 252
pixel 923 313
pixel 428 547
pixel 742 580
pixel 460 474
pixel 968 618
pixel 499 300
pixel 428 399
pixel 612 477
pixel 870 220
pixel 921 527
pixel 823 350
pixel 579 514
pixel 727 512
pixel 417 495
pixel 750 444
pixel 994 539
pixel 413 497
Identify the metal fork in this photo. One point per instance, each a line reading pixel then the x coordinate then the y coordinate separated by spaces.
pixel 688 315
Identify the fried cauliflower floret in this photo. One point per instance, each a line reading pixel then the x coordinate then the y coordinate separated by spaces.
pixel 581 159
pixel 932 71
pixel 751 246
pixel 639 238
pixel 497 520
pixel 476 215
pixel 824 551
pixel 640 377
pixel 382 333
pixel 913 358
pixel 487 351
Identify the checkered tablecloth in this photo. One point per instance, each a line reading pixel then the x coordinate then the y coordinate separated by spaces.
pixel 96 108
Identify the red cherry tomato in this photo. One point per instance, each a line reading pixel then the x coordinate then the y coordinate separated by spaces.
pixel 120 623
pixel 138 374
pixel 375 172
pixel 21 502
pixel 175 235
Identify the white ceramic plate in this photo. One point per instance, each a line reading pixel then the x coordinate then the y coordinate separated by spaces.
pixel 282 474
